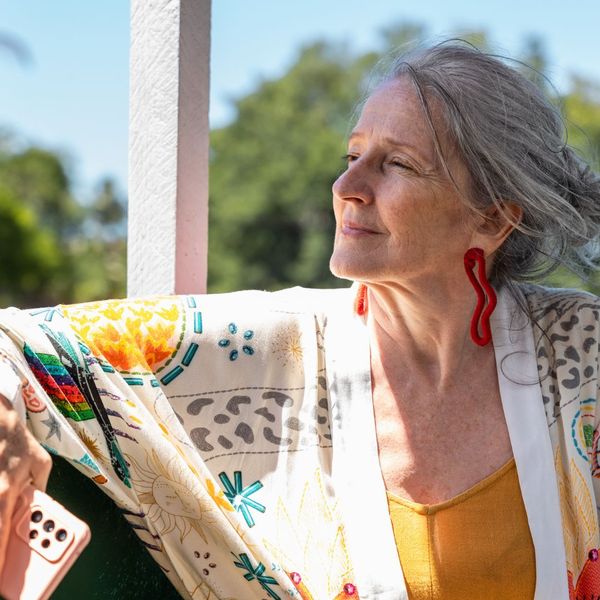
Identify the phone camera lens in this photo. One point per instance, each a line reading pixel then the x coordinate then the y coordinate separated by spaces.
pixel 33 534
pixel 36 516
pixel 61 535
pixel 45 543
pixel 48 525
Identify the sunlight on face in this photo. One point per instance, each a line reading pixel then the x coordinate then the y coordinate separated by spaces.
pixel 398 214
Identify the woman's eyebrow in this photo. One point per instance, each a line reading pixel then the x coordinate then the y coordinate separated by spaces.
pixel 393 142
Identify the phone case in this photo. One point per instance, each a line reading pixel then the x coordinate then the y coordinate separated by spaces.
pixel 45 540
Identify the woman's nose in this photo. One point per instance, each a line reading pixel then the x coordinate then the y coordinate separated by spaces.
pixel 353 185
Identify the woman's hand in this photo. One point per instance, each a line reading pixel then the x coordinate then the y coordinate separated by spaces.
pixel 21 459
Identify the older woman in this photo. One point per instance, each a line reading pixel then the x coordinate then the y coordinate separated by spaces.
pixel 369 442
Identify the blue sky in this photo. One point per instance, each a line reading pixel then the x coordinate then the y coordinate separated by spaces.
pixel 73 97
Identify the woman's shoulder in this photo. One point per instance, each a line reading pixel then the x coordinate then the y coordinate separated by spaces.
pixel 566 315
pixel 291 300
pixel 544 298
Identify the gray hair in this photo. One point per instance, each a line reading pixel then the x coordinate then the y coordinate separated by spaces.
pixel 513 142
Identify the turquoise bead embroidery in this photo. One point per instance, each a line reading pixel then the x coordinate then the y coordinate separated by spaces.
pixel 243 562
pixel 234 353
pixel 239 496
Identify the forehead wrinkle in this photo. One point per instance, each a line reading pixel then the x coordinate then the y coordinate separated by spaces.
pixel 400 123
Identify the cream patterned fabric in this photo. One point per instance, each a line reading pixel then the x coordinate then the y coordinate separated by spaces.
pixel 239 427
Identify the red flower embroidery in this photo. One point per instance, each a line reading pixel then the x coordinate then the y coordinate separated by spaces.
pixel 588 583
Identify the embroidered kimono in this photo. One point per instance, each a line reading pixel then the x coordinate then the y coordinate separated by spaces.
pixel 236 433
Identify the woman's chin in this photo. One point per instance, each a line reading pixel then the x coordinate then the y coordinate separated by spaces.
pixel 349 269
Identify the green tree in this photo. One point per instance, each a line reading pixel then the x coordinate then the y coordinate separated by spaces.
pixel 38 177
pixel 582 110
pixel 29 254
pixel 271 223
pixel 101 249
pixel 55 248
pixel 271 169
pixel 581 107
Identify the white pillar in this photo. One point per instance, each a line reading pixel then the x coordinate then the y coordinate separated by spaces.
pixel 168 146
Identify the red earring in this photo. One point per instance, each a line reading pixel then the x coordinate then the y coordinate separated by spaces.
pixel 482 287
pixel 360 302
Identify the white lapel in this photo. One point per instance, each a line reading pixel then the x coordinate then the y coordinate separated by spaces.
pixel 528 429
pixel 356 472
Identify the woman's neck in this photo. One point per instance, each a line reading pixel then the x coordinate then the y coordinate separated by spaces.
pixel 425 330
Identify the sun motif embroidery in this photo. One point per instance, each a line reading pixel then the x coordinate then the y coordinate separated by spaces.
pixel 172 496
pixel 287 346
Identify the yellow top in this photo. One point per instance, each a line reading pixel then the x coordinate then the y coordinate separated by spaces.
pixel 476 545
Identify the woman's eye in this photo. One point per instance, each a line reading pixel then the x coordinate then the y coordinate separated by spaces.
pixel 349 158
pixel 398 163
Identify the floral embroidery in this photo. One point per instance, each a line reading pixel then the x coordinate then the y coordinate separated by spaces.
pixel 578 512
pixel 293 543
pixel 148 340
pixel 234 352
pixel 588 582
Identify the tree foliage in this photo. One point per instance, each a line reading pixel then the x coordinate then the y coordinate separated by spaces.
pixel 272 168
pixel 271 223
pixel 53 249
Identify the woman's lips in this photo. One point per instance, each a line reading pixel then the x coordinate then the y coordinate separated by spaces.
pixel 354 229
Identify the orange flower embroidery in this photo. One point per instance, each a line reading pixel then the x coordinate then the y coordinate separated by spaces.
pixel 169 314
pixel 588 582
pixel 132 336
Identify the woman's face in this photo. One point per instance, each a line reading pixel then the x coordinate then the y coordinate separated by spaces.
pixel 398 215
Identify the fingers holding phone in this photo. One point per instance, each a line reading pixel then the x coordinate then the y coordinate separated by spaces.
pixel 45 540
pixel 22 460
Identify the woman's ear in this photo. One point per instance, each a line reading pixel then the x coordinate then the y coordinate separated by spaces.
pixel 496 223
